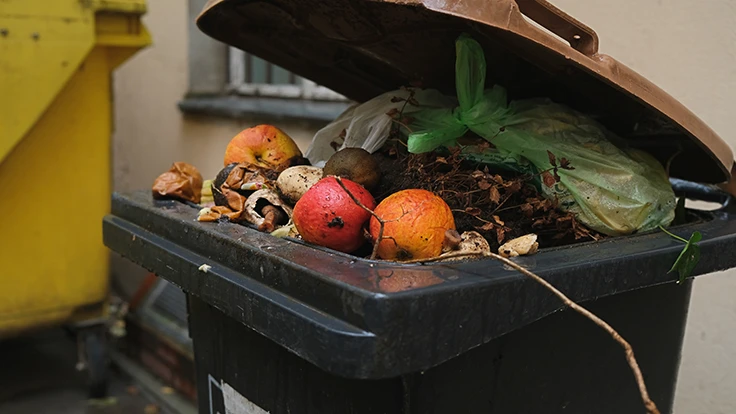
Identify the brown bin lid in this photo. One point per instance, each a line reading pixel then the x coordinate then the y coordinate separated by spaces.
pixel 362 48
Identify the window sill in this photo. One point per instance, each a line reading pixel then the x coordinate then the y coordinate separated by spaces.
pixel 236 107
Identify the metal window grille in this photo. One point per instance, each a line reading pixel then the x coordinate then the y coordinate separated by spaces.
pixel 250 75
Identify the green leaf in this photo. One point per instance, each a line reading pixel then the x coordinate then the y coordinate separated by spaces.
pixel 688 258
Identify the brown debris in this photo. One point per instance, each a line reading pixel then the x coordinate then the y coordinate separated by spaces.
pixel 499 205
pixel 182 181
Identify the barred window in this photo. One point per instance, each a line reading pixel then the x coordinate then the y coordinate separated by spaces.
pixel 252 76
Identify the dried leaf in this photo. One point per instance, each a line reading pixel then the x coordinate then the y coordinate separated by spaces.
pixel 494 195
pixel 343 133
pixel 413 101
pixel 564 219
pixel 473 211
pixel 548 179
pixel 498 179
pixel 512 187
pixel 500 234
pixel 557 176
pixel 484 185
pixel 182 181
pixel 393 112
pixel 477 174
pixel 486 227
pixel 335 145
pixel 441 160
pixel 527 209
pixel 407 120
pixel 552 158
pixel 498 220
pixel 565 164
pixel 396 99
pixel 392 152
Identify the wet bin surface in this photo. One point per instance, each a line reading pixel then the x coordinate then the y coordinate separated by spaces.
pixel 365 319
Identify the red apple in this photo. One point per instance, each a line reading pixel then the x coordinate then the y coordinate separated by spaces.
pixel 263 145
pixel 326 215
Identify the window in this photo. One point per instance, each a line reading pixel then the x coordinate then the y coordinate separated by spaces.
pixel 225 81
pixel 252 76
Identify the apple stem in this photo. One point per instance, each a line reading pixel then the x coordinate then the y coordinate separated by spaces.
pixel 650 406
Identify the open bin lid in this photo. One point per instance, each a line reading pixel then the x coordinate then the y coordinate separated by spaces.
pixel 363 48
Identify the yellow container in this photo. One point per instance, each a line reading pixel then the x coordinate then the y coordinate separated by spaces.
pixel 56 59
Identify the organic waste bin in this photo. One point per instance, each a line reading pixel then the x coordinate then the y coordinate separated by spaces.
pixel 56 60
pixel 282 326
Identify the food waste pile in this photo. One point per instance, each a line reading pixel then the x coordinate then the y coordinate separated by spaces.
pixel 391 204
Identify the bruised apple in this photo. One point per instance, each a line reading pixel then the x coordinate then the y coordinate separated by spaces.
pixel 265 146
pixel 326 215
pixel 415 225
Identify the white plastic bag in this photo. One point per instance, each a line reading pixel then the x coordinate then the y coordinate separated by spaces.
pixel 367 125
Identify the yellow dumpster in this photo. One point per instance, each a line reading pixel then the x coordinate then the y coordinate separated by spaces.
pixel 56 59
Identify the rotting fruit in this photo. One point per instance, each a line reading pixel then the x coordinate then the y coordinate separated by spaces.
pixel 355 164
pixel 326 215
pixel 415 222
pixel 265 146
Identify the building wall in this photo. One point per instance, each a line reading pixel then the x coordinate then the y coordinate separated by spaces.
pixel 688 48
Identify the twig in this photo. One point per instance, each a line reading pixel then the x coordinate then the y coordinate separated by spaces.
pixel 650 406
pixel 374 253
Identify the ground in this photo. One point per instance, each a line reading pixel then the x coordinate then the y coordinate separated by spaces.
pixel 38 376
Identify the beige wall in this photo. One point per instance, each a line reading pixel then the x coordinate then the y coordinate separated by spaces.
pixel 686 47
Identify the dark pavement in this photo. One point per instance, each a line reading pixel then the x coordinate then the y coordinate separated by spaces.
pixel 38 376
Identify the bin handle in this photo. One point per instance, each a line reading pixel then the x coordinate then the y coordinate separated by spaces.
pixel 581 37
pixel 705 192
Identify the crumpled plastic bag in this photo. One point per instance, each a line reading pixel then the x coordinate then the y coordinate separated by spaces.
pixel 612 189
pixel 183 181
pixel 368 125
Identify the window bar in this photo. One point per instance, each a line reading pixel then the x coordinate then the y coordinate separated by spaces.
pixel 236 67
pixel 248 68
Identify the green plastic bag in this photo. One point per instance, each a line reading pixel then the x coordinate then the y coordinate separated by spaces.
pixel 612 189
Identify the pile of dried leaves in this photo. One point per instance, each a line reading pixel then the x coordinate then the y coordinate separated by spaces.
pixel 499 205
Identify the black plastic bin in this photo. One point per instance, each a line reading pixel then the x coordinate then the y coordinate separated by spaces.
pixel 302 330
pixel 286 328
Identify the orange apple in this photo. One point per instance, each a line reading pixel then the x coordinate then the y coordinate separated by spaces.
pixel 265 146
pixel 415 225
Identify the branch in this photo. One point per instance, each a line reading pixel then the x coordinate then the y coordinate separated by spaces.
pixel 648 403
pixel 374 253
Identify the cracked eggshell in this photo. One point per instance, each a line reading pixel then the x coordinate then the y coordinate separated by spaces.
pixel 293 182
pixel 520 246
pixel 252 216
